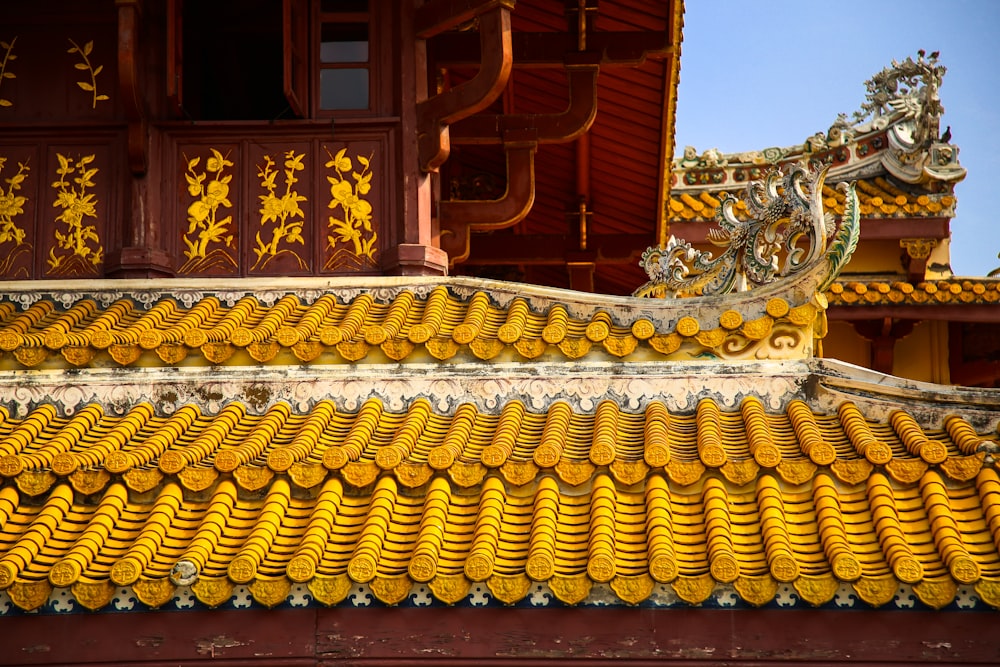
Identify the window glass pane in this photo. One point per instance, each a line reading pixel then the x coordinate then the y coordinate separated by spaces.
pixel 343 89
pixel 344 43
pixel 352 6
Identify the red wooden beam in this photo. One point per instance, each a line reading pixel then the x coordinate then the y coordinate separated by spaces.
pixel 458 217
pixel 627 48
pixel 586 636
pixel 435 114
pixel 561 127
pixel 436 16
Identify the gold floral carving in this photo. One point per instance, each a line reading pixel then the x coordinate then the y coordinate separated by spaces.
pixel 758 590
pixel 31 356
pixel 78 356
pixel 270 592
pixel 197 479
pixel 29 595
pixel 359 474
pixel 575 473
pixel 938 593
pixel 796 472
pixel 571 590
pixel 852 472
pixel 253 478
pixel 32 482
pixel 397 349
pixel 876 591
pixel 86 66
pixel 283 212
pixel 154 592
pixel 124 354
pixel 351 222
pixel 817 591
pixel 989 591
pixel 8 58
pixel 963 468
pixel 906 471
pixel 77 250
pixel 450 588
pixel 530 348
pixel 740 472
pixel 574 348
pixel 412 475
pixel 93 595
pixel 467 474
pixel 519 473
pixel 212 591
pixel 685 472
pixel 633 590
pixel 205 226
pixel 620 346
pixel 263 352
pixel 11 203
pixel 629 472
pixel 442 348
pixel 330 590
pixel 391 590
pixel 306 475
pixel 694 590
pixel 89 481
pixel 509 589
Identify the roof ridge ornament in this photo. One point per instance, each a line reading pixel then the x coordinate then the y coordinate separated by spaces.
pixel 788 233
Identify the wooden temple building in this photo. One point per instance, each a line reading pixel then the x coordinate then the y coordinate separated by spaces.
pixel 351 332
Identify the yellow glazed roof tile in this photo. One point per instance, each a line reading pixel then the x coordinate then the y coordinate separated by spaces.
pixel 329 497
pixel 952 291
pixel 877 199
pixel 399 325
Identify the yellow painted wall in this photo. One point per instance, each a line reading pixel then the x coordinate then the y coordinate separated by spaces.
pixel 923 355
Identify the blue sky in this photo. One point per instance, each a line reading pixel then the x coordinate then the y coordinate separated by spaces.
pixel 773 72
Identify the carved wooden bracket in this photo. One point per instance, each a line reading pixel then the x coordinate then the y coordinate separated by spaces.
pixel 459 218
pixel 435 114
pixel 129 22
pixel 550 128
pixel 918 251
pixel 883 335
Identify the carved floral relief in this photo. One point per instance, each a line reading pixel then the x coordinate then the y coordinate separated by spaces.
pixel 352 238
pixel 13 241
pixel 89 83
pixel 8 58
pixel 77 250
pixel 210 240
pixel 281 218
